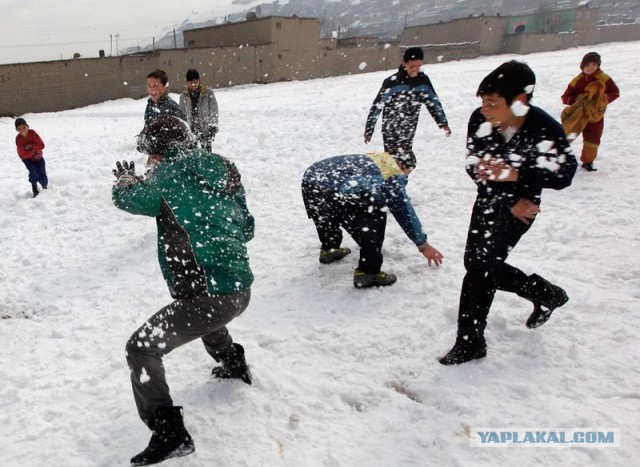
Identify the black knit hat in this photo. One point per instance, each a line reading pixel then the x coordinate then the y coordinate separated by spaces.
pixel 413 53
pixel 192 74
pixel 20 121
pixel 167 132
pixel 591 57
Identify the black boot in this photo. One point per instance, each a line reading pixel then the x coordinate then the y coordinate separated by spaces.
pixel 470 344
pixel 233 365
pixel 548 298
pixel 34 188
pixel 169 438
pixel 465 350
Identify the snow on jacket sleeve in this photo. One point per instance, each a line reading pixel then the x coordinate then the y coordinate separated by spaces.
pixel 551 163
pixel 376 107
pixel 430 99
pixel 143 199
pixel 398 202
pixel 229 183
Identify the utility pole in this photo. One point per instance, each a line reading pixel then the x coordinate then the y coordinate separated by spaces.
pixel 117 48
pixel 111 45
pixel 175 41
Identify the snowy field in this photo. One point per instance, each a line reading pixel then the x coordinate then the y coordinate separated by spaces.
pixel 342 377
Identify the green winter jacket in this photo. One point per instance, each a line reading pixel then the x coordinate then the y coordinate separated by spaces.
pixel 203 222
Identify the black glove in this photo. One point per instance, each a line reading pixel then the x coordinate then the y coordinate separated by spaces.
pixel 126 173
pixel 210 132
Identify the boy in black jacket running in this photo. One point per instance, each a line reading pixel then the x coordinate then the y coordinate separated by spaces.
pixel 401 96
pixel 514 151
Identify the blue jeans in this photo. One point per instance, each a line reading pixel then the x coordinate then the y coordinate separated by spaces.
pixel 37 171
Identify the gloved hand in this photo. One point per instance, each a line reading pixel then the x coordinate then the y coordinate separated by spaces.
pixel 210 132
pixel 126 174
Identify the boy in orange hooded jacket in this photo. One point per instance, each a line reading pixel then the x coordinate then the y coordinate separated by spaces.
pixel 607 92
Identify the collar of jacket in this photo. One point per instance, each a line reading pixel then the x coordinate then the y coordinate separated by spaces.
pixel 202 90
pixel 386 163
pixel 404 76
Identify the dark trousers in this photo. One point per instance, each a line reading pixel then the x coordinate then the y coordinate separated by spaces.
pixel 37 171
pixel 401 149
pixel 397 135
pixel 493 232
pixel 177 324
pixel 363 220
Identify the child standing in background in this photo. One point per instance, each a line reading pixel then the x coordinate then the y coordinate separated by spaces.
pixel 588 94
pixel 30 146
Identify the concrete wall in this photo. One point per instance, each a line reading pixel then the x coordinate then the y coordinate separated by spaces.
pixel 532 43
pixel 492 32
pixel 619 33
pixel 55 86
pixel 257 31
pixel 295 33
pixel 487 31
pixel 283 32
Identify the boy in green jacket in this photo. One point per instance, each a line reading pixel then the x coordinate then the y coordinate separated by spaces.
pixel 203 225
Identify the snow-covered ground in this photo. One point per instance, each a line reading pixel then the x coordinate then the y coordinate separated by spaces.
pixel 342 377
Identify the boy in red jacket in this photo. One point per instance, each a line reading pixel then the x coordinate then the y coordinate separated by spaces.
pixel 30 148
pixel 591 76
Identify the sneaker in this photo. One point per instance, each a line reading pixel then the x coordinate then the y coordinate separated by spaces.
pixel 589 167
pixel 362 280
pixel 542 311
pixel 464 351
pixel 333 254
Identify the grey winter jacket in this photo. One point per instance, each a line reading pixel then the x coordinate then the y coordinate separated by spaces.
pixel 206 122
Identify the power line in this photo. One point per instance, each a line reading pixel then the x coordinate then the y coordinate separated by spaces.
pixel 70 43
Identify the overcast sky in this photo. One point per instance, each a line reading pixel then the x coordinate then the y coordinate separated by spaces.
pixel 36 30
